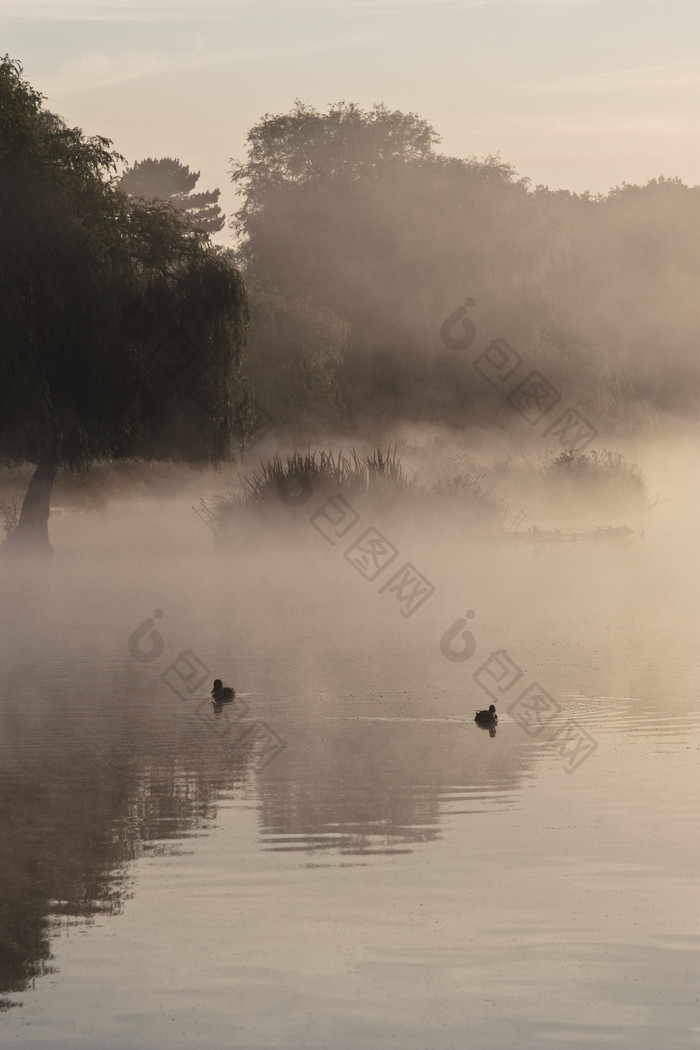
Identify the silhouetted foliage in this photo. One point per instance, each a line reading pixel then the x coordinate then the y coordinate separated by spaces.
pixel 127 314
pixel 354 211
pixel 169 180
pixel 294 353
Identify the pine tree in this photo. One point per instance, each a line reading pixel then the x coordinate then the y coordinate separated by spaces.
pixel 167 179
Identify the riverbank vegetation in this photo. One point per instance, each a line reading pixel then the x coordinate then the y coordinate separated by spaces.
pixel 487 496
pixel 371 278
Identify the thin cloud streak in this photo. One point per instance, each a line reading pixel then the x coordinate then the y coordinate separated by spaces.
pixel 173 11
pixel 99 70
pixel 666 77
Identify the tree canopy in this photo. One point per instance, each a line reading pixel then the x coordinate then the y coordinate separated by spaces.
pixel 171 181
pixel 354 211
pixel 133 322
pixel 295 351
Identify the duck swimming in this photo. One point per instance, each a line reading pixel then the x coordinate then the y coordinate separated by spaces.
pixel 487 719
pixel 222 694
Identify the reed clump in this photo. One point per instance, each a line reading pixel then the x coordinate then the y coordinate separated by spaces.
pixel 325 472
pixel 601 475
pixel 291 481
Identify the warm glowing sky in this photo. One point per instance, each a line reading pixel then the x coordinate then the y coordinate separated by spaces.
pixel 579 94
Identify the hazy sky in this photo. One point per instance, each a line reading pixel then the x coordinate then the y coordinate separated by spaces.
pixel 577 94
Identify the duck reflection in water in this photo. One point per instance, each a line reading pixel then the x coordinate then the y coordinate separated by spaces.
pixel 487 720
pixel 221 694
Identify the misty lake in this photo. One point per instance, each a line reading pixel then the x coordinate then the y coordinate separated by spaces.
pixel 342 858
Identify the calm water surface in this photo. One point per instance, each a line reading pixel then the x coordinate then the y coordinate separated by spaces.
pixel 343 859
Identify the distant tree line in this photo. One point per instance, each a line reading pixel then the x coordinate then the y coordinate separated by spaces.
pixel 125 327
pixel 356 239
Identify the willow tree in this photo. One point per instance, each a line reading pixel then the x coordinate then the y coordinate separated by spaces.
pixel 122 327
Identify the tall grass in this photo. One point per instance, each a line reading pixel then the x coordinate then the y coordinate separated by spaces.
pixel 325 472
pixel 9 515
pixel 294 479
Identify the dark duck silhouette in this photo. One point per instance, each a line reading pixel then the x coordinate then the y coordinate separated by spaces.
pixel 487 720
pixel 222 694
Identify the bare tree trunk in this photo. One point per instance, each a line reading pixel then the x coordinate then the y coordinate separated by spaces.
pixel 32 532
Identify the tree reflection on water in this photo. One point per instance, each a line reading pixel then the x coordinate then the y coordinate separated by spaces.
pixel 82 798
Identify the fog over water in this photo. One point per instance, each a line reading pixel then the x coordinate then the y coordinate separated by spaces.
pixel 353 703
pixel 342 858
